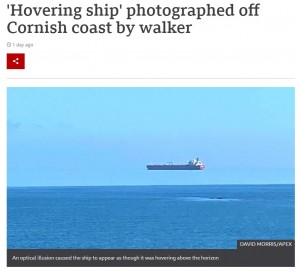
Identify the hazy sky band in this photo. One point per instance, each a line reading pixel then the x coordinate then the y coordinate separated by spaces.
pixel 107 136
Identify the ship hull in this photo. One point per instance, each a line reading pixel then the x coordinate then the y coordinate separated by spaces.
pixel 175 167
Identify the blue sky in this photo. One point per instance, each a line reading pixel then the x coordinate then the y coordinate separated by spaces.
pixel 107 136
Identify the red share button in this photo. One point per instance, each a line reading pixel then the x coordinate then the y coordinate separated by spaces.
pixel 15 61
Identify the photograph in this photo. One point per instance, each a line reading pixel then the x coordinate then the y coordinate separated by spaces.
pixel 149 168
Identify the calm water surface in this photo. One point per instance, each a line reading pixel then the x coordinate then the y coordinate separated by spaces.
pixel 199 217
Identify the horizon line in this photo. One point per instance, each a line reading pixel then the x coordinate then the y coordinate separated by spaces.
pixel 77 186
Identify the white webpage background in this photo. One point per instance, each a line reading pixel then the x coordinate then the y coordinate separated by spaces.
pixel 219 52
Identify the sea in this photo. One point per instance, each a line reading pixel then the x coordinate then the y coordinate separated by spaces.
pixel 148 217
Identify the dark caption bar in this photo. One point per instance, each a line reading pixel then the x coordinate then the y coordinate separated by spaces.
pixel 249 253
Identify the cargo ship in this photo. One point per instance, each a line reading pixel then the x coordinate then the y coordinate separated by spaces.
pixel 194 164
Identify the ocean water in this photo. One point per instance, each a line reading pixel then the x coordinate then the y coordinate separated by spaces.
pixel 148 217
